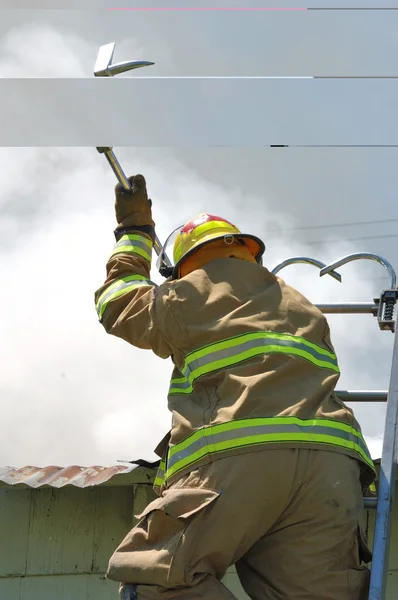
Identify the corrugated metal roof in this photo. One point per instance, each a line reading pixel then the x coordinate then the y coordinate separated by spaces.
pixel 81 477
pixel 58 477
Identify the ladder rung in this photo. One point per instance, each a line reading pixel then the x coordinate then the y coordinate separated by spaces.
pixel 362 395
pixel 370 502
pixel 349 307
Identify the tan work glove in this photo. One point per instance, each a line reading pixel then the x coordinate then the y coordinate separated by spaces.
pixel 133 208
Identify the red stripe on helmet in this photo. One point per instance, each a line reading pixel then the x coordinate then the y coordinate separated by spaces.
pixel 205 218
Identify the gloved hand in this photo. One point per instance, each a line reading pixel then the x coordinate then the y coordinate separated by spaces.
pixel 133 208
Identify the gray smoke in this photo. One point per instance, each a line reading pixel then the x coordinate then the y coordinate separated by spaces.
pixel 70 393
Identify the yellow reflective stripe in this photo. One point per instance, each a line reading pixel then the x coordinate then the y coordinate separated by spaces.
pixel 134 244
pixel 266 349
pixel 226 353
pixel 132 250
pixel 180 386
pixel 261 421
pixel 119 288
pixel 160 475
pixel 177 252
pixel 237 340
pixel 250 432
pixel 137 237
pixel 204 227
pixel 260 439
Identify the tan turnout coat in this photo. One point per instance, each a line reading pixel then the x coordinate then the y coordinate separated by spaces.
pixel 254 365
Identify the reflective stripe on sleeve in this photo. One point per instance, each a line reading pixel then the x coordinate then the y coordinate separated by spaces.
pixel 226 353
pixel 222 437
pixel 133 243
pixel 160 475
pixel 120 287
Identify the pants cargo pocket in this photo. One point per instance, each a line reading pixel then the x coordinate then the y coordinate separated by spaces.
pixel 359 573
pixel 148 552
pixel 365 554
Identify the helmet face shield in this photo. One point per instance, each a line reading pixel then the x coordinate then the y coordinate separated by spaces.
pixel 168 251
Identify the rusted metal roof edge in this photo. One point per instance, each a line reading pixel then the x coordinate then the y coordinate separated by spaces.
pixel 74 475
pixel 82 477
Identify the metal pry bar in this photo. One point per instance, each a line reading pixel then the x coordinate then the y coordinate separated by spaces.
pixel 121 177
pixel 104 67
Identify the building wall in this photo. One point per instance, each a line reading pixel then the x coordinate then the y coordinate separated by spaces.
pixel 55 543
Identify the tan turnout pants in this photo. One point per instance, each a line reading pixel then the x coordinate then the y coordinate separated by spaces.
pixel 288 519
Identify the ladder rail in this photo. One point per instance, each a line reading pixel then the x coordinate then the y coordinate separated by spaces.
pixel 386 492
pixel 383 310
pixel 362 395
pixel 359 308
pixel 388 467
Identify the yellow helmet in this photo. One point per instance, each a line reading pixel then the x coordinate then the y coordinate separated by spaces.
pixel 206 228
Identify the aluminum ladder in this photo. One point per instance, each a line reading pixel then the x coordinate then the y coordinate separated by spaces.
pixel 383 309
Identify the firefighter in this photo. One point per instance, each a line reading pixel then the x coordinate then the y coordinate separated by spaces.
pixel 264 467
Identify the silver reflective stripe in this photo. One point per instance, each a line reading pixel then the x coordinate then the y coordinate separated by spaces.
pixel 134 244
pixel 263 430
pixel 262 345
pixel 249 432
pixel 182 386
pixel 119 288
pixel 226 353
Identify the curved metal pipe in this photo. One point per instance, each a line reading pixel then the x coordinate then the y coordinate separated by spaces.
pixel 363 255
pixel 309 261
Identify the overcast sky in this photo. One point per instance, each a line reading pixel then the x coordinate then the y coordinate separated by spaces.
pixel 70 393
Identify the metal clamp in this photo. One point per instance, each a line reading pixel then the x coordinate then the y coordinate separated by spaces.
pixel 385 312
